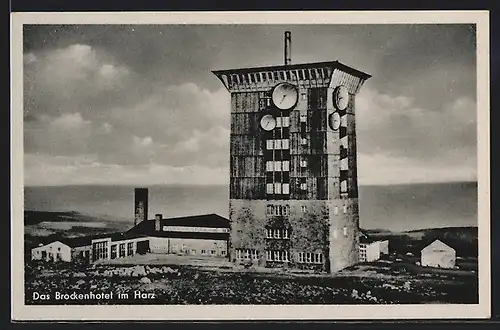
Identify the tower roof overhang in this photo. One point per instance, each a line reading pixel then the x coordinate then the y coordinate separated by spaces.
pixel 240 81
pixel 314 65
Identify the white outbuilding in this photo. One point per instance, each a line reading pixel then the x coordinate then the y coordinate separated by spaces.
pixel 54 251
pixel 438 254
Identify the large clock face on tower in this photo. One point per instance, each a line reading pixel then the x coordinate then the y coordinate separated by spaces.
pixel 285 96
pixel 340 98
pixel 268 122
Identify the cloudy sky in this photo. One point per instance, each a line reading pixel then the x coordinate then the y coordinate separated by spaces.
pixel 139 104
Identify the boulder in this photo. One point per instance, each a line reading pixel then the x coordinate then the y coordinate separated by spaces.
pixel 354 293
pixel 79 274
pixel 145 280
pixel 138 271
pixel 168 270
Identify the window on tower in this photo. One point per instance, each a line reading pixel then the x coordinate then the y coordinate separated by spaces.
pixel 343 186
pixel 269 188
pixel 277 188
pixel 277 255
pixel 278 144
pixel 282 121
pixel 270 144
pixel 286 188
pixel 344 164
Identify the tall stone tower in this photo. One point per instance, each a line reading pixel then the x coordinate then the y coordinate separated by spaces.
pixel 293 168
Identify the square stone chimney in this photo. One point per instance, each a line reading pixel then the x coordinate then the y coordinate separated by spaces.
pixel 141 205
pixel 158 218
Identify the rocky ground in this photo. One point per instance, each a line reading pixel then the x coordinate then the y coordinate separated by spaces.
pixel 378 283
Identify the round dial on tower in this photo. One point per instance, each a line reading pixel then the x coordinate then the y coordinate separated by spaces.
pixel 340 97
pixel 268 122
pixel 285 96
pixel 334 121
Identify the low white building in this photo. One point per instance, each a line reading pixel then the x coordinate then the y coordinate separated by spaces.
pixel 54 251
pixel 384 246
pixel 371 249
pixel 205 235
pixel 369 252
pixel 202 235
pixel 438 254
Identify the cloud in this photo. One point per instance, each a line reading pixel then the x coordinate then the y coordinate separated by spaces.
pixel 96 112
pixel 78 100
pixel 396 126
pixel 49 170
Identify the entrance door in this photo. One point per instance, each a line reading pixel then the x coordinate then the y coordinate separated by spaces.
pixel 143 247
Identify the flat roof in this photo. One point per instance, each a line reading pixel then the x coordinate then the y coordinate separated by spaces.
pixel 315 65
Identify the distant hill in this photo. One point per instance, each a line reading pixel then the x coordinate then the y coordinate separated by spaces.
pixel 36 217
pixel 45 226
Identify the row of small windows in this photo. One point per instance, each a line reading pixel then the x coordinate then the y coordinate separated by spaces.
pixel 121 250
pixel 277 255
pixel 310 258
pixel 278 144
pixel 282 121
pixel 246 254
pixel 300 74
pixel 280 256
pixel 278 210
pixel 277 233
pixel 205 252
pixel 278 188
pixel 284 144
pixel 284 209
pixel 278 165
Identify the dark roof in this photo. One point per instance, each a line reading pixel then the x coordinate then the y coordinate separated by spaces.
pixel 82 240
pixel 87 240
pixel 333 64
pixel 204 220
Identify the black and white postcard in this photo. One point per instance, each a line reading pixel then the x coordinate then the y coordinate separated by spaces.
pixel 250 165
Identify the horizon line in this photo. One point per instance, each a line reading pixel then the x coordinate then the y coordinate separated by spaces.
pixel 221 184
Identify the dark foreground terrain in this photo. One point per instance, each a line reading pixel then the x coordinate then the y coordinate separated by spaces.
pixel 384 282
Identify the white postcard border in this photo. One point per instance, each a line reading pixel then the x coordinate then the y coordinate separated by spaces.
pixel 22 312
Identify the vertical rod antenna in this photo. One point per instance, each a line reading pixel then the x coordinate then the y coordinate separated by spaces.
pixel 288 47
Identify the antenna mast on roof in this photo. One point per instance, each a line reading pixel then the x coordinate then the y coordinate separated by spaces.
pixel 288 47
